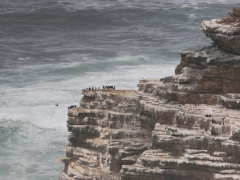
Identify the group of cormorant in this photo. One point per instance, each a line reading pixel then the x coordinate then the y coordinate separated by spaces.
pixel 170 129
pixel 214 121
pixel 90 88
pixel 95 88
pixel 108 87
pixel 72 106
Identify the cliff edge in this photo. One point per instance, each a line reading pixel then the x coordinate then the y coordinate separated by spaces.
pixel 183 127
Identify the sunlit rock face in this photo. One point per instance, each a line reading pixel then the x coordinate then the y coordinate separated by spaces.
pixel 183 127
pixel 225 32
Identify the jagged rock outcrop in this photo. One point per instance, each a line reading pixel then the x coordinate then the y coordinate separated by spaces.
pixel 225 32
pixel 184 127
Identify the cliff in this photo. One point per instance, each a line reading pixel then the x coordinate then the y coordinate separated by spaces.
pixel 225 32
pixel 182 127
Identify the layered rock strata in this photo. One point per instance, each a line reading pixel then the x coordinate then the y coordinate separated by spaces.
pixel 225 32
pixel 183 127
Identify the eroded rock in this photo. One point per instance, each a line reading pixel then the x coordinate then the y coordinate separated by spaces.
pixel 184 127
pixel 225 32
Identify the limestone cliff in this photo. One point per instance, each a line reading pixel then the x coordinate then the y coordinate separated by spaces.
pixel 184 127
pixel 225 32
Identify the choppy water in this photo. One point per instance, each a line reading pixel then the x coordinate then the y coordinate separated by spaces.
pixel 50 50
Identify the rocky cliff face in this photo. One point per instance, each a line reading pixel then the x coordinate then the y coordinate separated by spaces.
pixel 182 127
pixel 225 32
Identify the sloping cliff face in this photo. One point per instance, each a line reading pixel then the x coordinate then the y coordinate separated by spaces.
pixel 182 127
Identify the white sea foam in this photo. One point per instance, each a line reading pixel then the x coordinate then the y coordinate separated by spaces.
pixel 35 103
pixel 23 58
pixel 30 151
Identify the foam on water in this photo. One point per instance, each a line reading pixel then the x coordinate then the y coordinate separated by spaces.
pixel 35 129
pixel 33 101
pixel 28 151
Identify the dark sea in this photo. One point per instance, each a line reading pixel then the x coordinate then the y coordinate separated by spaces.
pixel 51 49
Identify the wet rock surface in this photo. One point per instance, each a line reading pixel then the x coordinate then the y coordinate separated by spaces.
pixel 182 127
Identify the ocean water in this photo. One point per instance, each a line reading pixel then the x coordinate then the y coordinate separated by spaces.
pixel 51 50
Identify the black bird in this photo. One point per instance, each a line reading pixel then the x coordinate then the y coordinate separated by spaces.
pixel 56 104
